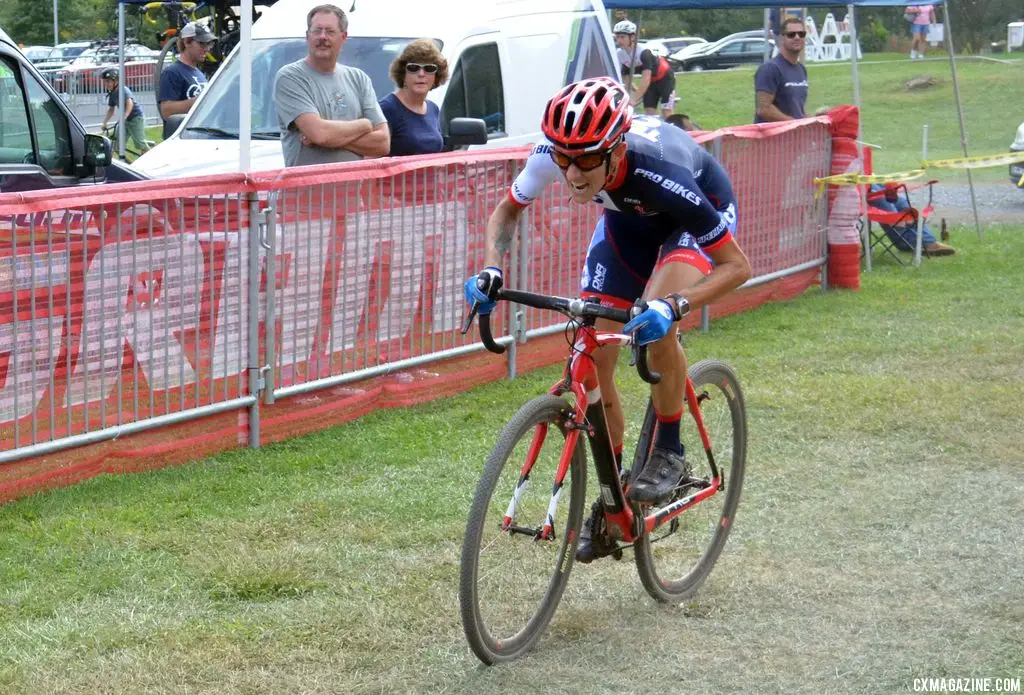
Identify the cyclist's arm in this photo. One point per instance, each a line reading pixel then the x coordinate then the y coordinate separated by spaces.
pixel 539 171
pixel 128 105
pixel 641 89
pixel 677 194
pixel 731 270
pixel 501 228
pixel 108 116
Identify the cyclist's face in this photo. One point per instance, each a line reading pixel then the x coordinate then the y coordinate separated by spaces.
pixel 585 180
pixel 624 41
pixel 325 37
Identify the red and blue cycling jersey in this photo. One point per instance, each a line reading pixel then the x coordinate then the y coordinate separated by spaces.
pixel 670 201
pixel 668 182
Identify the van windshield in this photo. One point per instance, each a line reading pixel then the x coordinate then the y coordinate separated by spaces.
pixel 217 115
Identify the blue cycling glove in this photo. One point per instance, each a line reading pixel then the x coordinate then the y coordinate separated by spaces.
pixel 483 297
pixel 653 324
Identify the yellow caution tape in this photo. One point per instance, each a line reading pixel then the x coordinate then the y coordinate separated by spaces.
pixel 857 179
pixel 994 160
pixel 1020 184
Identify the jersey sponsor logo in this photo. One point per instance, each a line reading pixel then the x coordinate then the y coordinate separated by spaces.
pixel 705 238
pixel 541 149
pixel 600 272
pixel 669 185
pixel 796 84
pixel 518 194
pixel 681 190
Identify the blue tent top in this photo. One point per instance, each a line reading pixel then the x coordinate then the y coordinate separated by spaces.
pixel 737 4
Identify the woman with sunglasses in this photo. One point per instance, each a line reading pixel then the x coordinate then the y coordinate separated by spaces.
pixel 666 235
pixel 414 121
pixel 780 85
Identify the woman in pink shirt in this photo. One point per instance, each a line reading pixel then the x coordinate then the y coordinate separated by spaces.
pixel 923 16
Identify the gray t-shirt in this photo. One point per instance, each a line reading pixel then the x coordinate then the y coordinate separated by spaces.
pixel 344 95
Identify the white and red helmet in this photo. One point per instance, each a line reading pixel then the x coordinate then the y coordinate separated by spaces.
pixel 587 116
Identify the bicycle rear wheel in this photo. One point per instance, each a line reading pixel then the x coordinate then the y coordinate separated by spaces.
pixel 510 582
pixel 676 557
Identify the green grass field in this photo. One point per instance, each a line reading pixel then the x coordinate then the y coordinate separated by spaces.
pixel 991 93
pixel 878 539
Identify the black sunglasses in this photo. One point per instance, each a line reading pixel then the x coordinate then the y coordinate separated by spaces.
pixel 583 162
pixel 428 68
pixel 796 34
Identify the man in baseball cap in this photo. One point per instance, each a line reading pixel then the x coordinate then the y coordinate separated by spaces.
pixel 182 81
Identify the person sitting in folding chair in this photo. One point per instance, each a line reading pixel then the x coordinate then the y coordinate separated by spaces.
pixel 903 233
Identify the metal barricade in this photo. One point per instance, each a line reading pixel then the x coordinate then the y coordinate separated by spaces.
pixel 134 307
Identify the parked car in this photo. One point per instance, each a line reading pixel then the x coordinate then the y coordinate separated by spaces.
pixel 663 48
pixel 1017 169
pixel 63 53
pixel 729 52
pixel 42 144
pixel 37 54
pixel 81 76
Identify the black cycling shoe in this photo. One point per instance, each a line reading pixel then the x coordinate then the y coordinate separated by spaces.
pixel 594 542
pixel 661 474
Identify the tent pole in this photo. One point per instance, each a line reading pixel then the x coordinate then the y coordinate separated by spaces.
pixel 865 242
pixel 948 36
pixel 245 87
pixel 767 30
pixel 121 83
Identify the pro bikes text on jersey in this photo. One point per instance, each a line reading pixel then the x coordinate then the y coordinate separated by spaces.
pixel 669 185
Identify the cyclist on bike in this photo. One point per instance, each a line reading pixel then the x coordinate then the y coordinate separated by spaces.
pixel 668 225
pixel 134 120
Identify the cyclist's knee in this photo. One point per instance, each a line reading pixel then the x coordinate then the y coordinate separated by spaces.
pixel 667 351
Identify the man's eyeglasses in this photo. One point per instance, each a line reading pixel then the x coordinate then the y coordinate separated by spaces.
pixel 796 34
pixel 413 68
pixel 583 162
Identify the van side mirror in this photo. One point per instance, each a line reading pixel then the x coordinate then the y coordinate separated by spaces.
pixel 465 131
pixel 98 151
pixel 172 124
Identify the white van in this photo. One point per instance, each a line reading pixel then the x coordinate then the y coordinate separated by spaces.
pixel 506 58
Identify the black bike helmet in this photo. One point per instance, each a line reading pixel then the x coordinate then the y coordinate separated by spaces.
pixel 109 74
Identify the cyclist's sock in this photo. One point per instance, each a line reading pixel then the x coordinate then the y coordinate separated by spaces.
pixel 617 450
pixel 667 436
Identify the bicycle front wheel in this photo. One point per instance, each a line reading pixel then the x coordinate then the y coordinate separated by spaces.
pixel 675 558
pixel 512 577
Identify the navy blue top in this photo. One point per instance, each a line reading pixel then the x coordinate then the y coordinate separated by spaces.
pixel 787 82
pixel 179 82
pixel 136 111
pixel 412 133
pixel 670 181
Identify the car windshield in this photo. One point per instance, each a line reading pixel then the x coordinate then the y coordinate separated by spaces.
pixel 217 113
pixel 65 52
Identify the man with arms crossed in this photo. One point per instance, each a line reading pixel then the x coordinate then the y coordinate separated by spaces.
pixel 327 112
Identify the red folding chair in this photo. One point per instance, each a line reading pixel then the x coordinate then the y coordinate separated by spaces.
pixel 883 223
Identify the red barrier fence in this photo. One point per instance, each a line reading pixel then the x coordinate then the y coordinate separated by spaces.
pixel 175 307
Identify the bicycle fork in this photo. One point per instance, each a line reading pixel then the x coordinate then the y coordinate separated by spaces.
pixel 546 530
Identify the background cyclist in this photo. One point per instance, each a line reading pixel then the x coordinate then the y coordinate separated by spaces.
pixel 657 81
